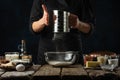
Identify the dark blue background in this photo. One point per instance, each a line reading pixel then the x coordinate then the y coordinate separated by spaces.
pixel 14 26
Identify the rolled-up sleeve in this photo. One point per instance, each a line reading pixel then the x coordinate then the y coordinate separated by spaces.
pixel 36 13
pixel 88 15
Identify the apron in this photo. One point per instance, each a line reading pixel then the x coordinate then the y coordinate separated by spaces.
pixel 69 42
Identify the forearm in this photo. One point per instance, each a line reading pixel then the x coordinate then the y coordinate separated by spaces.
pixel 83 27
pixel 38 26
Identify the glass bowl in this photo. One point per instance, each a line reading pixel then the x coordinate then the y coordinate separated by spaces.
pixel 108 67
pixel 60 58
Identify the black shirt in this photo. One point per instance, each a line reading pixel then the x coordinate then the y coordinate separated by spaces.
pixel 70 41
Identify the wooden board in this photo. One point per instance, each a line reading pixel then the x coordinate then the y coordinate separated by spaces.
pixel 1 71
pixel 117 71
pixel 47 72
pixel 15 75
pixel 102 75
pixel 75 72
pixel 34 68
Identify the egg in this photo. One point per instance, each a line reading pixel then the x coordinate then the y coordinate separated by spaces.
pixel 20 67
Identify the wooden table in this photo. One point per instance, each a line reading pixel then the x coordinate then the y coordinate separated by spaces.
pixel 73 72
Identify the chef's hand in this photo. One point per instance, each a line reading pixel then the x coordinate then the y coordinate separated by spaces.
pixel 45 17
pixel 73 21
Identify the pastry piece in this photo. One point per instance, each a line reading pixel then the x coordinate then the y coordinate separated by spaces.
pixel 26 57
pixel 4 61
pixel 10 64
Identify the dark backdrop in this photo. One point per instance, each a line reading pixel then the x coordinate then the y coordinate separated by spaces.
pixel 106 34
pixel 14 26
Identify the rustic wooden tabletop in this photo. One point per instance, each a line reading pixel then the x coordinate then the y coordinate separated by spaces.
pixel 48 72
